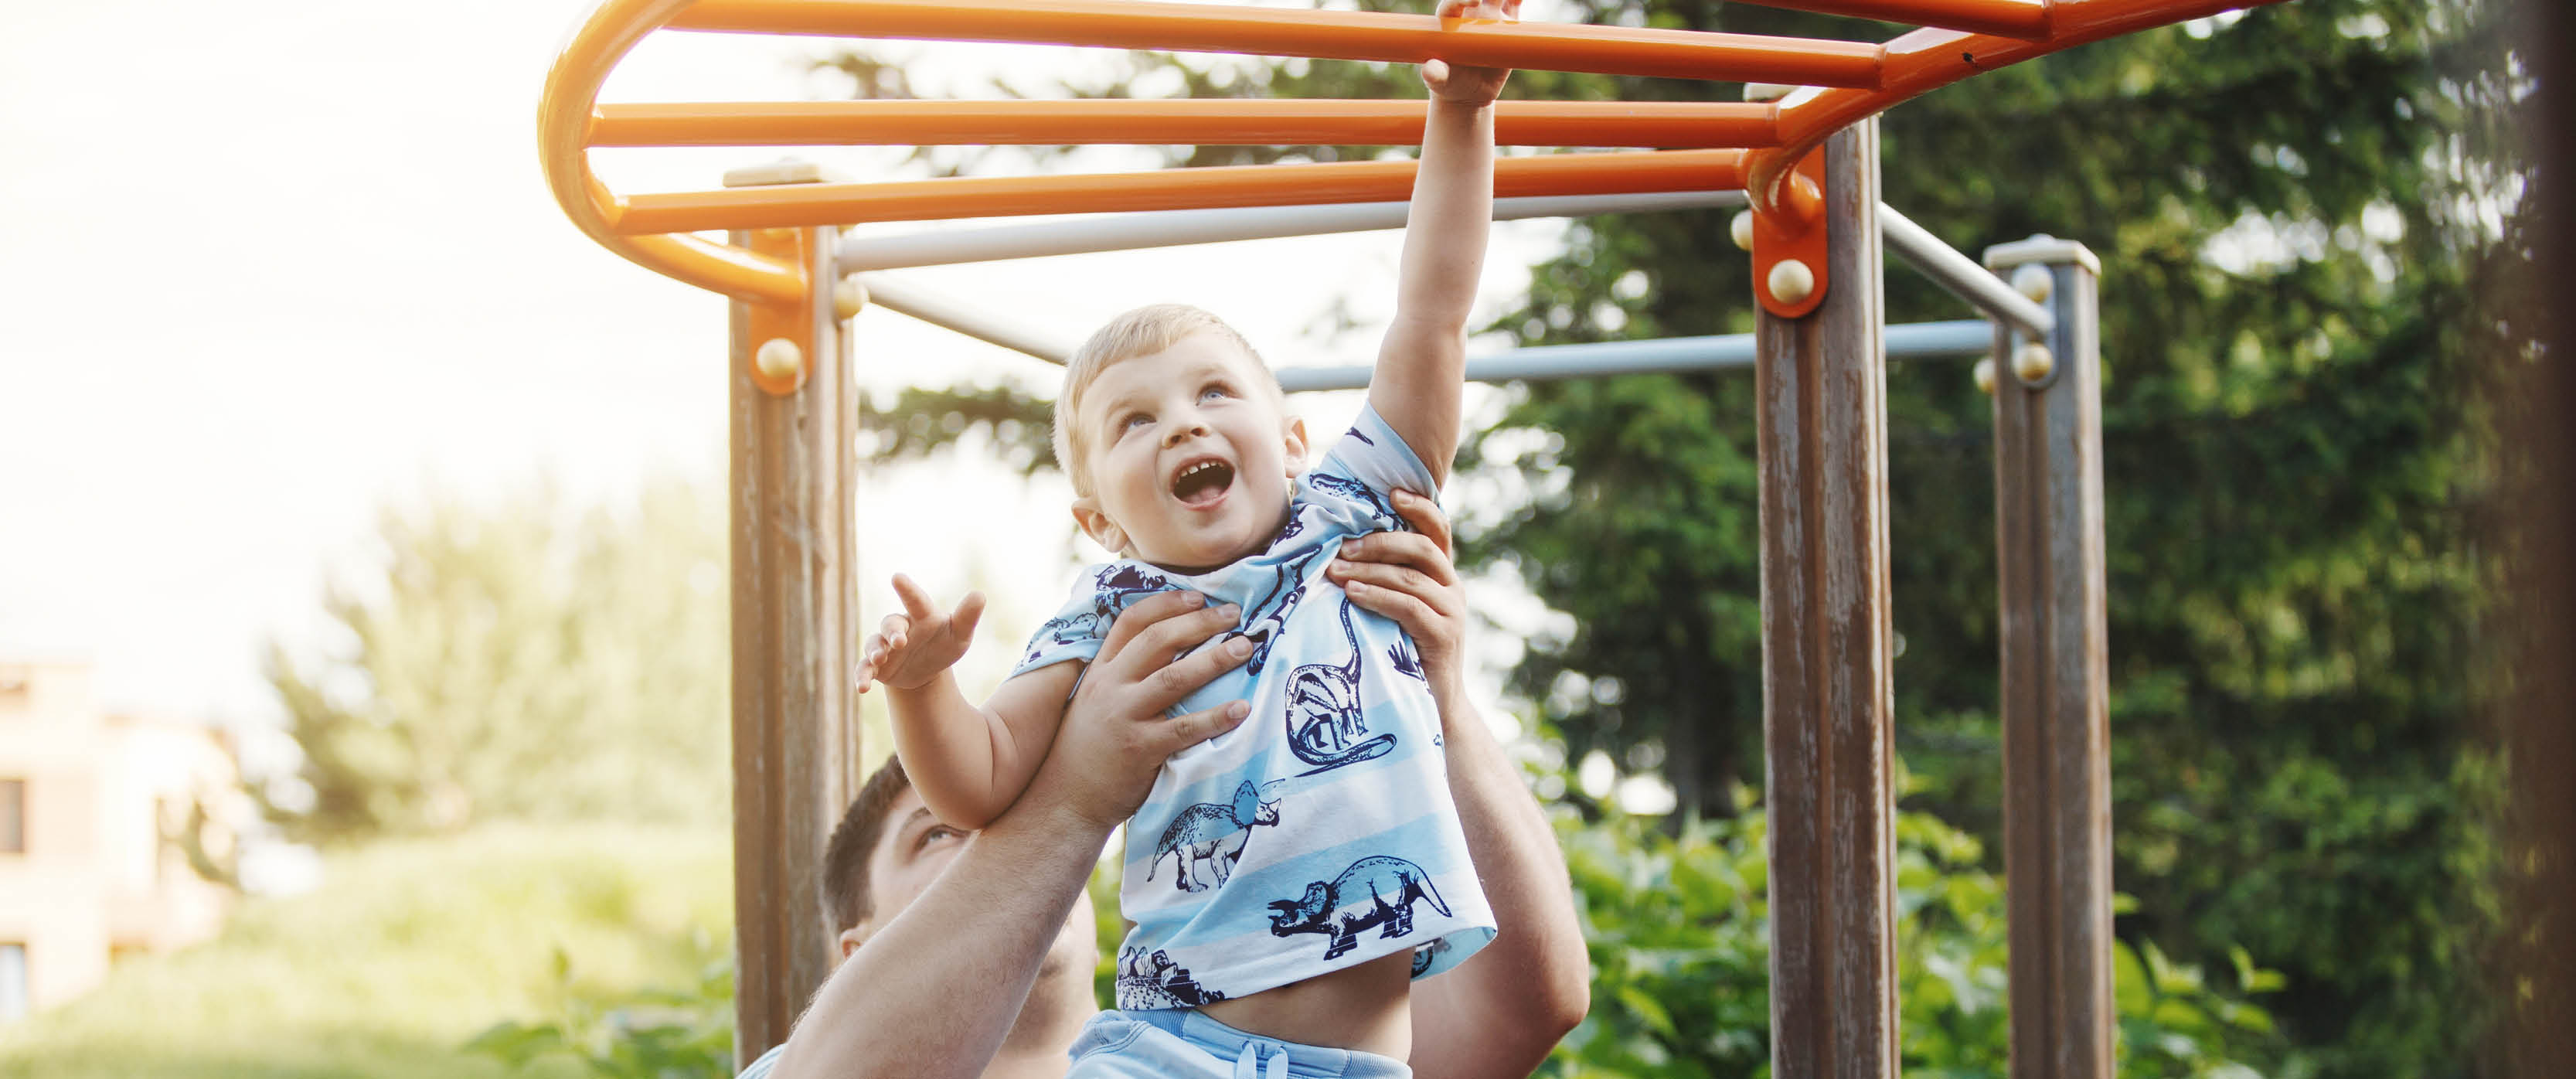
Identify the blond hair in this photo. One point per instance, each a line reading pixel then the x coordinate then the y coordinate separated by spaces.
pixel 1141 332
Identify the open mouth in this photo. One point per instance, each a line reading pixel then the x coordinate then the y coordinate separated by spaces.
pixel 1202 483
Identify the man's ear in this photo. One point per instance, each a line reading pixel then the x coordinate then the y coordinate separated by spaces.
pixel 851 938
pixel 1097 525
pixel 1294 435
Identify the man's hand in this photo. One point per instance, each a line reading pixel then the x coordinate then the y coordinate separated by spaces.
pixel 1474 87
pixel 1114 735
pixel 1407 576
pixel 910 649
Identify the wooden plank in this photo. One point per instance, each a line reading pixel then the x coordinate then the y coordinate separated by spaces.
pixel 795 726
pixel 1825 650
pixel 2055 685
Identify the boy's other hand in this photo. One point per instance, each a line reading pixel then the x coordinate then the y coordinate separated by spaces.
pixel 1475 87
pixel 910 649
pixel 1407 576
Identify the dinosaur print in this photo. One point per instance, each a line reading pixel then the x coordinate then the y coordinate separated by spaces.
pixel 1388 885
pixel 1268 615
pixel 1213 833
pixel 1325 721
pixel 1154 981
pixel 1405 659
pixel 1115 587
pixel 1354 490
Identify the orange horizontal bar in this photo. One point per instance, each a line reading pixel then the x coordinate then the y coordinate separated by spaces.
pixel 1323 35
pixel 1169 189
pixel 1926 60
pixel 1188 122
pixel 2008 18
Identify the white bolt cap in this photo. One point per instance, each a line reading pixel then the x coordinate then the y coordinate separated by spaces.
pixel 2034 281
pixel 779 358
pixel 1791 281
pixel 2033 362
pixel 848 296
pixel 1985 375
pixel 1742 230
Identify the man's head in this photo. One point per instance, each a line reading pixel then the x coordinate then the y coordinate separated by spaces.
pixel 888 849
pixel 1177 439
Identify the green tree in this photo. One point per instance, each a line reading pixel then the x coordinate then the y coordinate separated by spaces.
pixel 519 662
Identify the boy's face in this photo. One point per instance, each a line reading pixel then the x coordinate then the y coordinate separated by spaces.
pixel 1190 455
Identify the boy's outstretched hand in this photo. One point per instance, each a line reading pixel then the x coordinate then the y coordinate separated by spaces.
pixel 910 649
pixel 1475 87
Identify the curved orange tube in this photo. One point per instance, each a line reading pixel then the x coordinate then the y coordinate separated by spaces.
pixel 1180 122
pixel 1728 145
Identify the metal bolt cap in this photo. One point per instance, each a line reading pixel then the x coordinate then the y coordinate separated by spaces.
pixel 1791 281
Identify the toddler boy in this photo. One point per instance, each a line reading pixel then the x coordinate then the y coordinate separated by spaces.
pixel 1287 878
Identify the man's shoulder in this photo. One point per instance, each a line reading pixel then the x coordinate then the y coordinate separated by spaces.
pixel 759 1069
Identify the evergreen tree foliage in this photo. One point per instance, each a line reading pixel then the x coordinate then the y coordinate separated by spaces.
pixel 517 662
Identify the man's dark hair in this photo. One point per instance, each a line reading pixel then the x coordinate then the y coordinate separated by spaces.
pixel 846 899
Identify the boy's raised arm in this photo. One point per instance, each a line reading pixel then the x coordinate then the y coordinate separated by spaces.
pixel 1423 362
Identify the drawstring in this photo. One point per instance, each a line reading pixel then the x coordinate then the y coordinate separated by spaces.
pixel 1249 1065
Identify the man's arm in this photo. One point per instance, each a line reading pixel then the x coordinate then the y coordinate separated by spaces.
pixel 1422 365
pixel 1501 1011
pixel 936 990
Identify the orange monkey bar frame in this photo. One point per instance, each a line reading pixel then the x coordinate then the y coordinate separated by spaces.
pixel 1960 39
pixel 1809 166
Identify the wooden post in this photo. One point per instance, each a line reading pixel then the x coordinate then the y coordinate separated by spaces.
pixel 795 610
pixel 2056 719
pixel 1826 695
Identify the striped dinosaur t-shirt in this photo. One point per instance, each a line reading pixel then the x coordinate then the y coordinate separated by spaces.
pixel 1319 833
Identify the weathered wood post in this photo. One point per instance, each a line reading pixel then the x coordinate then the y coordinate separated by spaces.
pixel 2056 718
pixel 1826 695
pixel 795 714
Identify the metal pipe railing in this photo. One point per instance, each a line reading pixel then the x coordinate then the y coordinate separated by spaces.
pixel 1910 341
pixel 1961 275
pixel 1175 228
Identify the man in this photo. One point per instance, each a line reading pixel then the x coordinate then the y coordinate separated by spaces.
pixel 972 955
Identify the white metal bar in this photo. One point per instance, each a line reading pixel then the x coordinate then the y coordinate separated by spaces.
pixel 969 319
pixel 1910 341
pixel 1961 274
pixel 1171 228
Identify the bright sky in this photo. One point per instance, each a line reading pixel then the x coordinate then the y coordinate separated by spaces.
pixel 269 266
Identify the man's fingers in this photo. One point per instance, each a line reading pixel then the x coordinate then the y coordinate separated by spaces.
pixel 1142 615
pixel 1407 609
pixel 1391 578
pixel 1160 642
pixel 1164 688
pixel 1197 727
pixel 1425 517
pixel 915 601
pixel 1399 549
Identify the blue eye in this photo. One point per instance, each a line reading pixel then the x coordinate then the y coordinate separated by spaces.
pixel 1215 389
pixel 1134 420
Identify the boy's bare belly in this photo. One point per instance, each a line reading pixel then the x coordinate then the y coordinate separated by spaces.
pixel 1366 1007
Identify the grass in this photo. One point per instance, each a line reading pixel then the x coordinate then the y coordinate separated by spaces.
pixel 407 950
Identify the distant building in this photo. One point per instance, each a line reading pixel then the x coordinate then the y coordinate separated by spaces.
pixel 98 815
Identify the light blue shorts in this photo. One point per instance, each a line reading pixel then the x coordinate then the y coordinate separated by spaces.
pixel 1181 1043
